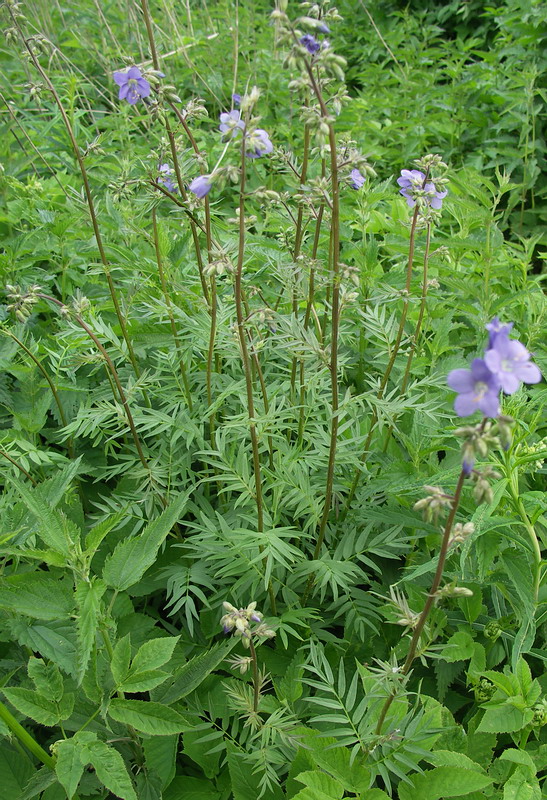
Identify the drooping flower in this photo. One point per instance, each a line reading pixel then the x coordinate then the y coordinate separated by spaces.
pixel 165 177
pixel 357 180
pixel 478 388
pixel 496 327
pixel 201 185
pixel 231 123
pixel 236 99
pixel 132 85
pixel 509 361
pixel 322 27
pixel 258 144
pixel 310 43
pixel 413 184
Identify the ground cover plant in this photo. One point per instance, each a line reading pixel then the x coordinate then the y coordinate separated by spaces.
pixel 272 409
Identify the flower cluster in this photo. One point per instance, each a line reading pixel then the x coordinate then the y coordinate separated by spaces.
pixel 165 177
pixel 231 123
pixel 132 85
pixel 416 187
pixel 506 364
pixel 258 144
pixel 239 621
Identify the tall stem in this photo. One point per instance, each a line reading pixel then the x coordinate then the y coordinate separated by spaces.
pixel 90 203
pixel 391 362
pixel 238 292
pixel 430 597
pixel 335 323
pixel 113 372
pixel 19 467
pixel 25 738
pixel 170 309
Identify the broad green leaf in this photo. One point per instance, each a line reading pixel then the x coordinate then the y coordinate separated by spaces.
pixel 46 678
pixel 148 717
pixel 37 595
pixel 154 654
pixel 143 681
pixel 459 647
pixel 68 765
pixel 160 753
pixel 88 598
pixel 16 770
pixel 34 705
pixel 336 761
pixel 321 783
pixel 442 782
pixel 132 557
pixel 521 785
pixel 54 527
pixel 504 718
pixel 121 657
pixel 191 789
pixel 519 757
pixel 55 640
pixel 41 780
pixel 191 674
pixel 110 769
pixel 375 794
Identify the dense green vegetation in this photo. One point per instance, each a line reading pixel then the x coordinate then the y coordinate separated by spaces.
pixel 249 547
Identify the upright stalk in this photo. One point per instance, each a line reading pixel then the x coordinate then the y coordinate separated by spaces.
pixel 25 738
pixel 170 310
pixel 245 353
pixel 113 372
pixel 19 467
pixel 430 598
pixel 391 362
pixel 89 199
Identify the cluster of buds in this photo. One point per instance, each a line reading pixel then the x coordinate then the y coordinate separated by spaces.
pixel 405 616
pixel 460 532
pixel 530 450
pixel 22 301
pixel 484 690
pixel 433 505
pixel 492 630
pixel 451 590
pixel 219 267
pixel 38 45
pixel 540 714
pixel 239 621
pixel 483 491
pixel 195 109
pixel 478 439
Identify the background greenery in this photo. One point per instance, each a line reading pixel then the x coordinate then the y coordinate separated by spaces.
pixel 110 643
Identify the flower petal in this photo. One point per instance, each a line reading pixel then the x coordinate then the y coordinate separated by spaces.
pixel 120 78
pixel 528 372
pixel 134 73
pixel 465 404
pixel 460 380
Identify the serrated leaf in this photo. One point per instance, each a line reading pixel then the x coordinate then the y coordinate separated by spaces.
pixel 110 769
pixel 143 681
pixel 97 534
pixel 442 782
pixel 88 599
pixel 33 705
pixel 191 674
pixel 504 718
pixel 121 656
pixel 149 717
pixel 154 653
pixel 54 528
pixel 47 678
pixel 68 765
pixel 160 753
pixel 132 557
pixel 321 783
pixel 38 783
pixel 37 595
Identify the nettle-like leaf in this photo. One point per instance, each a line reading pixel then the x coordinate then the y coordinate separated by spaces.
pixel 148 717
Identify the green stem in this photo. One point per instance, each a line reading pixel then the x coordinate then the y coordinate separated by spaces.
pixel 430 598
pixel 19 467
pixel 90 204
pixel 170 309
pixel 25 738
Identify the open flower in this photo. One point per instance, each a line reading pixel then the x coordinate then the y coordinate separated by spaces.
pixel 496 328
pixel 413 185
pixel 201 185
pixel 478 388
pixel 165 177
pixel 357 180
pixel 132 85
pixel 231 123
pixel 509 361
pixel 258 144
pixel 310 43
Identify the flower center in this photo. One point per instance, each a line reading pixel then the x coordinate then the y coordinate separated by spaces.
pixel 506 365
pixel 480 390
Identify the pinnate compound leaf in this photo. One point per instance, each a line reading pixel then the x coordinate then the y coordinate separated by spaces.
pixel 443 782
pixel 39 708
pixel 148 717
pixel 245 783
pixel 132 557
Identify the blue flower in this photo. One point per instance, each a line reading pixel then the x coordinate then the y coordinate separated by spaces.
pixel 201 186
pixel 165 177
pixel 478 388
pixel 236 99
pixel 231 123
pixel 310 43
pixel 357 180
pixel 259 144
pixel 413 184
pixel 132 85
